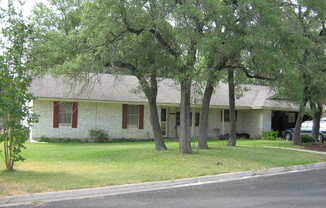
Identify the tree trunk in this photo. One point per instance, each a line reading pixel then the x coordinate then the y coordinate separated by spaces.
pixel 203 121
pixel 318 109
pixel 150 91
pixel 185 146
pixel 233 119
pixel 156 127
pixel 211 81
pixel 8 143
pixel 296 135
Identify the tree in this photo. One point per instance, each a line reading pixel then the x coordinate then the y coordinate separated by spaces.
pixel 187 18
pixel 318 63
pixel 305 24
pixel 176 26
pixel 135 50
pixel 14 81
pixel 214 56
pixel 108 37
pixel 317 110
pixel 241 37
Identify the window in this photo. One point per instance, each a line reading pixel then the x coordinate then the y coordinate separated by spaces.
pixel 177 119
pixel 309 127
pixel 227 115
pixel 197 117
pixel 163 114
pixel 132 115
pixel 65 113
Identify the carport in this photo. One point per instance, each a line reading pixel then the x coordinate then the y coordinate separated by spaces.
pixel 283 120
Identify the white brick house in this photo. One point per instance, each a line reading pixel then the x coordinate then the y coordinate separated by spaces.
pixel 112 104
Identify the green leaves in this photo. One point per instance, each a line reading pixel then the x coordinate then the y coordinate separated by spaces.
pixel 305 52
pixel 14 81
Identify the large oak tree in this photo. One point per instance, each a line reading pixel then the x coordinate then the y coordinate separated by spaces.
pixel 304 83
pixel 239 37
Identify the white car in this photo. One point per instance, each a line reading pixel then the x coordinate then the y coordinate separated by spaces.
pixel 306 129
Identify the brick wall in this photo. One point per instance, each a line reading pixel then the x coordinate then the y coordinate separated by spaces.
pixel 108 116
pixel 257 121
pixel 91 115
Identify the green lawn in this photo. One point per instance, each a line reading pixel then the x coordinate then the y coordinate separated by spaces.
pixel 53 167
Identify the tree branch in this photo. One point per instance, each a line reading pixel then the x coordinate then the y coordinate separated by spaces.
pixel 248 74
pixel 156 34
pixel 323 29
pixel 165 45
pixel 121 64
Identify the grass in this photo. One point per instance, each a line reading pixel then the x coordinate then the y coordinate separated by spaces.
pixel 66 166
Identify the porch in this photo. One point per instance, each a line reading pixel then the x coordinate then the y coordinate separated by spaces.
pixel 249 121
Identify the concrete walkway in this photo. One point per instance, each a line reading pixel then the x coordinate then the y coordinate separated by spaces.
pixel 132 188
pixel 287 148
pixel 300 150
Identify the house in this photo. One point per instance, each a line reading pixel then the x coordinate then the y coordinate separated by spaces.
pixel 113 103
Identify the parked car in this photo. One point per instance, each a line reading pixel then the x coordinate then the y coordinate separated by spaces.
pixel 306 129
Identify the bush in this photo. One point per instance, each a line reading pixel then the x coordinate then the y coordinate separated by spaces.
pixel 223 136
pixel 239 136
pixel 270 135
pixel 307 139
pixel 243 136
pixel 59 140
pixel 99 135
pixel 194 139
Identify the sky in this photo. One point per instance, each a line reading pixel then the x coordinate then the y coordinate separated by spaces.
pixel 27 8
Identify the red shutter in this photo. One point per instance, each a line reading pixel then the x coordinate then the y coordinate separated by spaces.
pixel 141 117
pixel 124 116
pixel 74 115
pixel 55 114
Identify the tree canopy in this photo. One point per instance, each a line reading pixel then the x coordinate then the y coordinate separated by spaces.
pixel 282 41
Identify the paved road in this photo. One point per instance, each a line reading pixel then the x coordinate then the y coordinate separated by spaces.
pixel 296 189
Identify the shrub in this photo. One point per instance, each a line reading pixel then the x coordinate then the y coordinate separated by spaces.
pixel 194 143
pixel 239 136
pixel 270 135
pixel 42 139
pixel 99 135
pixel 59 140
pixel 194 139
pixel 223 136
pixel 46 139
pixel 243 136
pixel 307 139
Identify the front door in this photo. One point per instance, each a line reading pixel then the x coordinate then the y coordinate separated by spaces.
pixel 164 123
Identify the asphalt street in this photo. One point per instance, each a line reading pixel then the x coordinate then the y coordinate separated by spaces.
pixel 294 189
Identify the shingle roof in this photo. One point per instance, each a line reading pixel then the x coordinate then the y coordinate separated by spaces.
pixel 113 88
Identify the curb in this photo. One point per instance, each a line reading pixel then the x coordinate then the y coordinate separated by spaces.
pixel 150 186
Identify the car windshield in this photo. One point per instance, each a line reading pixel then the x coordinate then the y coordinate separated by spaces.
pixel 304 124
